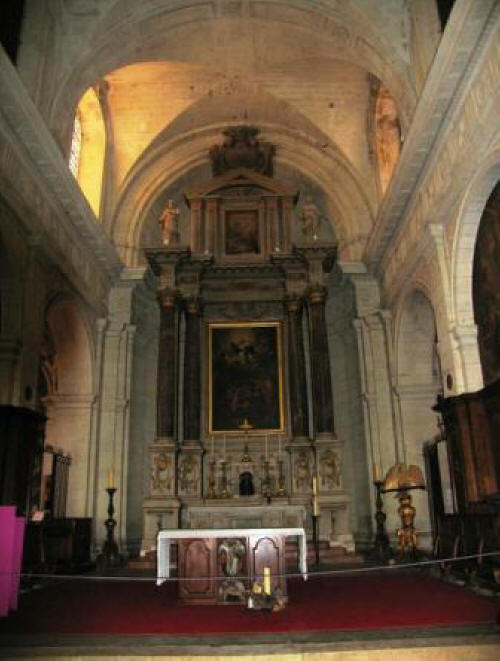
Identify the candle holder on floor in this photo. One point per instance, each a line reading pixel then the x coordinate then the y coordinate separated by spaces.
pixel 381 547
pixel 110 556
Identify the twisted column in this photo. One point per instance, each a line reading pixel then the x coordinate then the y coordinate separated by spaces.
pixel 297 369
pixel 166 397
pixel 320 363
pixel 192 378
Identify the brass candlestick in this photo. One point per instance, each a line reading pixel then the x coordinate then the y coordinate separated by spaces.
pixel 245 427
pixel 224 493
pixel 281 491
pixel 267 482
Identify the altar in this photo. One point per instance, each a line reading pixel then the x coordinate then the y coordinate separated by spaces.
pixel 220 566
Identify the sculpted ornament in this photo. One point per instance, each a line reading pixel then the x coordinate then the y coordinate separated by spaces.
pixel 188 474
pixel 302 472
pixel 329 469
pixel 161 474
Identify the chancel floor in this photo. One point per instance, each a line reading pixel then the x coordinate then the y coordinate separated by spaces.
pixel 380 614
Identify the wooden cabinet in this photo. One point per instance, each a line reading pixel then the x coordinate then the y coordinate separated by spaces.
pixel 463 478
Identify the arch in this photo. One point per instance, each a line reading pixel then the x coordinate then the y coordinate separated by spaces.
pixel 67 364
pixel 469 217
pixel 169 159
pixel 419 380
pixel 168 33
pixel 416 340
pixel 467 225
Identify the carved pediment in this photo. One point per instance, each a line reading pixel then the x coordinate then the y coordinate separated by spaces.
pixel 241 180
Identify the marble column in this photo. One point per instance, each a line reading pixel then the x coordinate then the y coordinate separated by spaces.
pixel 166 398
pixel 320 363
pixel 297 369
pixel 192 378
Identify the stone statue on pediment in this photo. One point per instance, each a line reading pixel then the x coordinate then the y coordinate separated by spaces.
pixel 169 224
pixel 311 220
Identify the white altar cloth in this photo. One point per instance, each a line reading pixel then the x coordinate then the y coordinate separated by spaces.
pixel 166 536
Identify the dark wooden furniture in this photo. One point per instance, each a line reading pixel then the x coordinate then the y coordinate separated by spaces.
pixel 463 476
pixel 57 544
pixel 21 449
pixel 206 581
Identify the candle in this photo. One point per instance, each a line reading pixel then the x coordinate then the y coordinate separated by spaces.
pixel 314 485
pixel 111 479
pixel 315 506
pixel 267 580
pixel 267 450
pixel 376 472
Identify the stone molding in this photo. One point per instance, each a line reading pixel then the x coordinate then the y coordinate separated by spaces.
pixel 463 70
pixel 59 209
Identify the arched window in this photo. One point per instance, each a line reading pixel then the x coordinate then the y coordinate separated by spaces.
pixel 88 144
pixel 76 146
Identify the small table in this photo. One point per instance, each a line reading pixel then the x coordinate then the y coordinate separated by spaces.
pixel 198 563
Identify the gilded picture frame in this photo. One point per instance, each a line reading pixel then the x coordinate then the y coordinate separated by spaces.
pixel 245 377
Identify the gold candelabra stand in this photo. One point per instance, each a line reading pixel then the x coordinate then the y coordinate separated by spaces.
pixel 245 427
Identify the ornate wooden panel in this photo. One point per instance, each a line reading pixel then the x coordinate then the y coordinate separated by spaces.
pixel 197 567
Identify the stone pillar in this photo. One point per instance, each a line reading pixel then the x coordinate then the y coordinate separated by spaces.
pixel 192 377
pixel 297 369
pixel 167 391
pixel 320 364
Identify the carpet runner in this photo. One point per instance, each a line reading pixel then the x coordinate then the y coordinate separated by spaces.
pixel 355 602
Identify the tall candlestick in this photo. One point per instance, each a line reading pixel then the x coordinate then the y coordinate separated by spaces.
pixel 267 580
pixel 314 488
pixel 111 479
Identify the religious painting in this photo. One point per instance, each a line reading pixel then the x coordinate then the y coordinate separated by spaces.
pixel 241 232
pixel 486 279
pixel 245 376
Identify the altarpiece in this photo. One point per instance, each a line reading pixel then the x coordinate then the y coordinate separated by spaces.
pixel 244 413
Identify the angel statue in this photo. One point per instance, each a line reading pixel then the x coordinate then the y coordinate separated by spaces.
pixel 169 223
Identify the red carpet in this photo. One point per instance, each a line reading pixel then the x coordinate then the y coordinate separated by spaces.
pixel 355 602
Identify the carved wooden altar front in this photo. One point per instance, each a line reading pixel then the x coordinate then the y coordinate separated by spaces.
pixel 252 440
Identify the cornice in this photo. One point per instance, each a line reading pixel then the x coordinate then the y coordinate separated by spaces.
pixel 43 165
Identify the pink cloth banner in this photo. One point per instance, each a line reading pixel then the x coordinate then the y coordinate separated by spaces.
pixel 7 547
pixel 17 562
